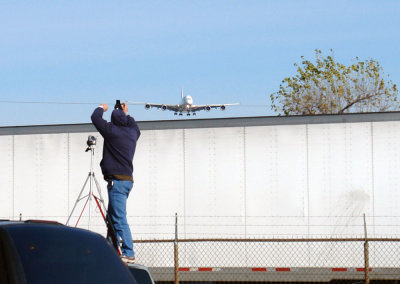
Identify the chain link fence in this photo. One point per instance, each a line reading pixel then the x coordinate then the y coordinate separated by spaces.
pixel 266 249
pixel 271 260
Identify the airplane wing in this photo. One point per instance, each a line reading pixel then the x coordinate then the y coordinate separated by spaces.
pixel 162 106
pixel 209 107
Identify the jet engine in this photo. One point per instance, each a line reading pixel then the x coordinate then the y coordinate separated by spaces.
pixel 222 107
pixel 164 107
pixel 208 108
pixel 146 106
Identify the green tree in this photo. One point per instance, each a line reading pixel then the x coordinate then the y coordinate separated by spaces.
pixel 329 87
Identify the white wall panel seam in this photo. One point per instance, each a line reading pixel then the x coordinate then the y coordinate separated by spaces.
pixel 13 176
pixel 68 173
pixel 244 182
pixel 184 180
pixel 42 151
pixel 309 250
pixel 212 165
pixel 307 201
pixel 373 177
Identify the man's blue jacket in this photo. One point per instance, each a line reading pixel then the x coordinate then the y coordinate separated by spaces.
pixel 120 137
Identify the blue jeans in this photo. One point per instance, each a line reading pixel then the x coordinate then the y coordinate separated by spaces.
pixel 117 195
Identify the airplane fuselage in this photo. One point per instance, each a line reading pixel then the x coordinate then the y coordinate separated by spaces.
pixel 186 104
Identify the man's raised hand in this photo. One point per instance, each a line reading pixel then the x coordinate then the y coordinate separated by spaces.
pixel 104 106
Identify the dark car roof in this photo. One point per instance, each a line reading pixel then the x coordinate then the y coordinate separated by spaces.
pixel 53 253
pixel 30 221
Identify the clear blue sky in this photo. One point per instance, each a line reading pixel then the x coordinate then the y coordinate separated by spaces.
pixel 219 51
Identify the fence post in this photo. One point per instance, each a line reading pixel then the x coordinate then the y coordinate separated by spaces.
pixel 176 258
pixel 366 253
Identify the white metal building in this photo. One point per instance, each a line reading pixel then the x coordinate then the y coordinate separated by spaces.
pixel 234 177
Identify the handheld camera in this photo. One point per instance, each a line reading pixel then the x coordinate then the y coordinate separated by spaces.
pixel 118 105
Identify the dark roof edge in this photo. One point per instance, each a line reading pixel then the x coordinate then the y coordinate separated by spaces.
pixel 211 123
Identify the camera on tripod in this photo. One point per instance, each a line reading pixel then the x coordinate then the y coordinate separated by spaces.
pixel 91 141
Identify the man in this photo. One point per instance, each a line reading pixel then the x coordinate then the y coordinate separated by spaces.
pixel 120 137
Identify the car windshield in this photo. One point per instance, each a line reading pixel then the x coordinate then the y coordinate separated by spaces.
pixel 57 254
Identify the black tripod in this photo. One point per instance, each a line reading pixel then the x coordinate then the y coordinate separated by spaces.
pixel 91 178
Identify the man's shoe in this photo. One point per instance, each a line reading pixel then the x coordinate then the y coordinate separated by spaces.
pixel 127 259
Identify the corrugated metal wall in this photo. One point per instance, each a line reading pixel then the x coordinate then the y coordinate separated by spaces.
pixel 247 181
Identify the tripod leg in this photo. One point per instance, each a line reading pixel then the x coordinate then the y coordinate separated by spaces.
pixel 88 199
pixel 78 199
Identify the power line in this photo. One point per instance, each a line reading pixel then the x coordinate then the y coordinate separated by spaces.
pixel 254 106
pixel 109 103
pixel 63 103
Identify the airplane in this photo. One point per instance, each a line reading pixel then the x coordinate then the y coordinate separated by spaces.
pixel 186 106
